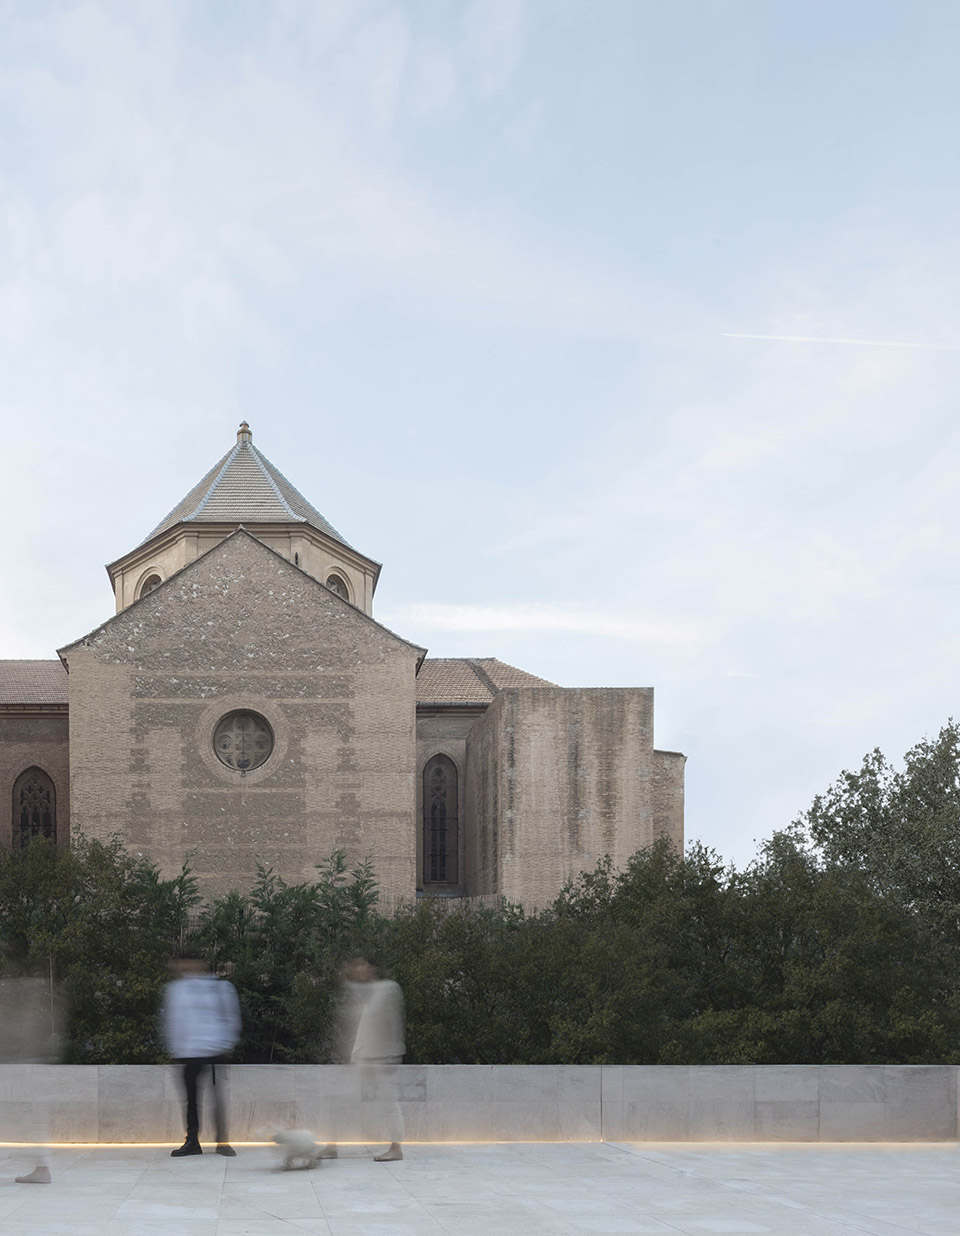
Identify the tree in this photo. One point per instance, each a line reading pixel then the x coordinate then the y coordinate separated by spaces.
pixel 283 946
pixel 901 828
pixel 102 925
pixel 838 944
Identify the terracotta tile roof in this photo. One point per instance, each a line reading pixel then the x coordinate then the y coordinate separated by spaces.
pixel 245 488
pixel 469 680
pixel 33 682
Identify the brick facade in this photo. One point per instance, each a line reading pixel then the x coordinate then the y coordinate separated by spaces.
pixel 242 629
pixel 34 739
pixel 444 733
pixel 224 608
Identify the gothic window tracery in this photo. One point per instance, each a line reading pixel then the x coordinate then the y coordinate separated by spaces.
pixel 440 819
pixel 34 807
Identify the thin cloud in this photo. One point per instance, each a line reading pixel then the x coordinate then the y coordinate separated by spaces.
pixel 678 631
pixel 864 343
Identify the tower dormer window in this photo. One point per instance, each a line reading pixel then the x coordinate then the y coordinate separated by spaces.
pixel 149 584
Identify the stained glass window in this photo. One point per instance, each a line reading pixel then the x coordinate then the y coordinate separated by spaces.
pixel 440 821
pixel 243 740
pixel 34 807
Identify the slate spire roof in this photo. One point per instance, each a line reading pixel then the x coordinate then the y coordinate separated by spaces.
pixel 245 488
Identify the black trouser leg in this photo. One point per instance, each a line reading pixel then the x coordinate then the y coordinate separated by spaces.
pixel 219 1101
pixel 191 1071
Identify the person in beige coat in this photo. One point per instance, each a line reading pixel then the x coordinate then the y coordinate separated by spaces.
pixel 372 1037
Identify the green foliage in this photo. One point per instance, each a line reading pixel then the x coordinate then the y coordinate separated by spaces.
pixel 679 961
pixel 102 924
pixel 840 943
pixel 282 946
pixel 902 829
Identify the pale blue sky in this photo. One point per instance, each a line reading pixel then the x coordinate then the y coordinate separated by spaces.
pixel 471 271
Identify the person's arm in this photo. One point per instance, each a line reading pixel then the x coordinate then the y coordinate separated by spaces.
pixel 398 1019
pixel 232 1020
pixel 168 1019
pixel 347 1023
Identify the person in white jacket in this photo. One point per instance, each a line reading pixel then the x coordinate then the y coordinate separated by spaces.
pixel 201 1023
pixel 372 1034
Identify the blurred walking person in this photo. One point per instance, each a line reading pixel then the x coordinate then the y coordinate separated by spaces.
pixel 31 1032
pixel 372 1031
pixel 201 1023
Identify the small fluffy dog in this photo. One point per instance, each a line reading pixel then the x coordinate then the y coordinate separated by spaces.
pixel 300 1151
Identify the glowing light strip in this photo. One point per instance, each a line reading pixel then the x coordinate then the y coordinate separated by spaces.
pixel 499 1141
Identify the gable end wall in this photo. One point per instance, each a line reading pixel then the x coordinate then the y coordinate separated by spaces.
pixel 240 628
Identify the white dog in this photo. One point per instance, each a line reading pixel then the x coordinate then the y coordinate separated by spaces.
pixel 300 1151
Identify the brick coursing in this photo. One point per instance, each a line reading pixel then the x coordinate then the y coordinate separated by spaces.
pixel 242 628
pixel 550 779
pixel 444 733
pixel 27 741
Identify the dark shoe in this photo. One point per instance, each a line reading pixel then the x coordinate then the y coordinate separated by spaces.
pixel 226 1150
pixel 188 1147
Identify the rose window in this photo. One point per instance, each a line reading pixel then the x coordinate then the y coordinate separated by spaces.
pixel 243 740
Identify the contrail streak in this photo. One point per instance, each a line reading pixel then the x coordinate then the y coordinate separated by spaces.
pixel 864 343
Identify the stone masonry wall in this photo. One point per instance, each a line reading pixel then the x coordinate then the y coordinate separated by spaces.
pixel 505 1103
pixel 668 769
pixel 485 800
pixel 558 778
pixel 241 628
pixel 34 739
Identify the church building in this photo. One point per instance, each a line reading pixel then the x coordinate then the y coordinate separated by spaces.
pixel 243 705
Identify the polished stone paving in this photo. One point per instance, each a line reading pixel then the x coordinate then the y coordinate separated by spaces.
pixel 579 1189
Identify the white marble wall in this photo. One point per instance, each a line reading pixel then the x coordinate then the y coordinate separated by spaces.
pixel 831 1103
pixel 138 1103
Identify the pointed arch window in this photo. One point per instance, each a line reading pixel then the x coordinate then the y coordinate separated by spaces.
pixel 440 831
pixel 34 807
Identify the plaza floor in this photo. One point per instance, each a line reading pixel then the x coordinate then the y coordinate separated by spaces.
pixel 578 1189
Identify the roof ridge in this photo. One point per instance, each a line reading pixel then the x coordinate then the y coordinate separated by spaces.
pixel 261 464
pixel 213 484
pixel 195 563
pixel 29 661
pixel 166 521
pixel 482 674
pixel 324 524
pixel 244 486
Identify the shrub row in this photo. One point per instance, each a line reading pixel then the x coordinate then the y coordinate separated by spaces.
pixel 839 944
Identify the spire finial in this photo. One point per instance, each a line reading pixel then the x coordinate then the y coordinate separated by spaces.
pixel 243 433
